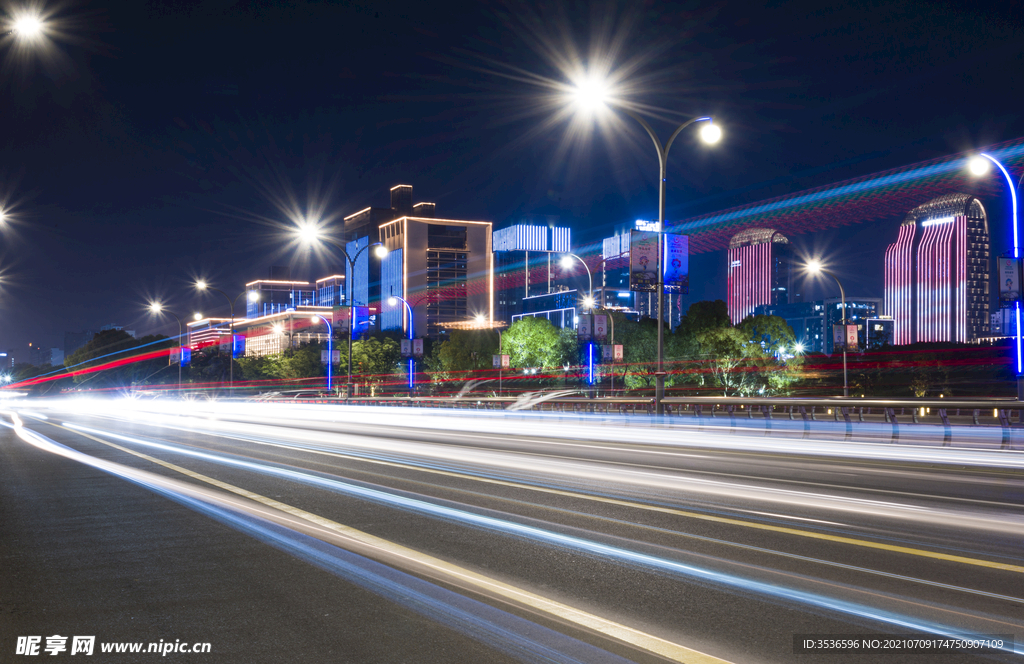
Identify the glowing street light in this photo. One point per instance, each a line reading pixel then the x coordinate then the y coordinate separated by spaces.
pixel 330 347
pixel 594 94
pixel 309 234
pixel 980 165
pixel 27 26
pixel 158 309
pixel 393 300
pixel 197 316
pixel 815 267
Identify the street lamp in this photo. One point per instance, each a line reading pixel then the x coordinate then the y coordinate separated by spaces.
pixel 980 165
pixel 203 286
pixel 814 267
pixel 27 26
pixel 158 309
pixel 310 234
pixel 567 265
pixel 593 94
pixel 330 347
pixel 393 300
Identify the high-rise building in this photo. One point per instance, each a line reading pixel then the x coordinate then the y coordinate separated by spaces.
pixel 937 273
pixel 759 271
pixel 444 269
pixel 523 264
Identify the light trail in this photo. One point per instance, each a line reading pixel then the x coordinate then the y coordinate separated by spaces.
pixel 549 488
pixel 601 550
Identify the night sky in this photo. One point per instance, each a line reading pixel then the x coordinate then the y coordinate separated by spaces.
pixel 145 144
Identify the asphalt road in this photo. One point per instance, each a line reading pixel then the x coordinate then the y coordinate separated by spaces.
pixel 330 534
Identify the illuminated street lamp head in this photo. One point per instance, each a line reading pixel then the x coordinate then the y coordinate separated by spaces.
pixel 278 328
pixel 308 233
pixel 566 262
pixel 814 267
pixel 201 285
pixel 253 296
pixel 392 300
pixel 590 94
pixel 156 307
pixel 798 348
pixel 979 165
pixel 480 318
pixel 28 26
pixel 380 251
pixel 197 316
pixel 588 302
pixel 711 133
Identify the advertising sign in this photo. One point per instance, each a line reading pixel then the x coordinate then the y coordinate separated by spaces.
pixel 1008 276
pixel 844 337
pixel 584 331
pixel 643 261
pixel 186 356
pixel 238 346
pixel 361 321
pixel 677 263
pixel 340 317
pixel 617 352
pixel 417 347
pixel 406 347
pixel 335 356
pixel 500 361
pixel 600 327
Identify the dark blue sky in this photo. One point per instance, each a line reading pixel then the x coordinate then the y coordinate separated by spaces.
pixel 152 142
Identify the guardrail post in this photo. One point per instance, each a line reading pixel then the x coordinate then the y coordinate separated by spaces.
pixel 1004 423
pixel 766 413
pixel 890 416
pixel 976 413
pixel 849 424
pixel 862 413
pixel 807 422
pixel 947 435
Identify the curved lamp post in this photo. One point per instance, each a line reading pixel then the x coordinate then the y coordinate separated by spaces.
pixel 567 264
pixel 309 235
pixel 814 267
pixel 392 300
pixel 980 166
pixel 330 347
pixel 203 286
pixel 593 95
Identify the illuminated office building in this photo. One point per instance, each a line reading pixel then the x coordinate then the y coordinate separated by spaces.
pixel 937 273
pixel 523 264
pixel 759 271
pixel 271 296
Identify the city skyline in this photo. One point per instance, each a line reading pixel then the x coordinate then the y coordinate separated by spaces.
pixel 247 146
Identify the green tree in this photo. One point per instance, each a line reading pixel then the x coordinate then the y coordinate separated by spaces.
pixel 375 360
pixel 535 342
pixel 462 353
pixel 771 332
pixel 126 361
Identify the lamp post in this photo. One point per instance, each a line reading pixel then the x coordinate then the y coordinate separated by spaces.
pixel 310 234
pixel 330 347
pixel 203 286
pixel 815 267
pixel 158 308
pixel 412 360
pixel 980 166
pixel 591 95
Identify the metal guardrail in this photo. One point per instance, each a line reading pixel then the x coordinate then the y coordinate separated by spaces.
pixel 760 412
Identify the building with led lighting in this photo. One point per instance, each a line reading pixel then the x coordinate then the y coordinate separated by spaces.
pixel 937 273
pixel 523 264
pixel 270 333
pixel 760 266
pixel 812 322
pixel 444 269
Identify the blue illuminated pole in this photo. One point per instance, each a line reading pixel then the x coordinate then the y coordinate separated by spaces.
pixel 330 347
pixel 412 359
pixel 1020 276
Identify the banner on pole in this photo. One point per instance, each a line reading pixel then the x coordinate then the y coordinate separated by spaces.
pixel 1009 281
pixel 677 263
pixel 643 261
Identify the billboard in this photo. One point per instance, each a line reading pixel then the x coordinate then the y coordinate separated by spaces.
pixel 643 261
pixel 361 322
pixel 1008 276
pixel 677 263
pixel 340 318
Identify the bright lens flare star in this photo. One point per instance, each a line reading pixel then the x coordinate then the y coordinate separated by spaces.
pixel 591 94
pixel 979 166
pixel 28 26
pixel 711 133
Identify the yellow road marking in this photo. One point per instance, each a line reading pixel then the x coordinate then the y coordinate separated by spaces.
pixel 590 621
pixel 669 510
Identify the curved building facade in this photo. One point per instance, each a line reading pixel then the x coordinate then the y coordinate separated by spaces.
pixel 937 272
pixel 759 272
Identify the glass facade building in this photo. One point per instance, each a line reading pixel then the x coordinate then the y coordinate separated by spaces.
pixel 760 265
